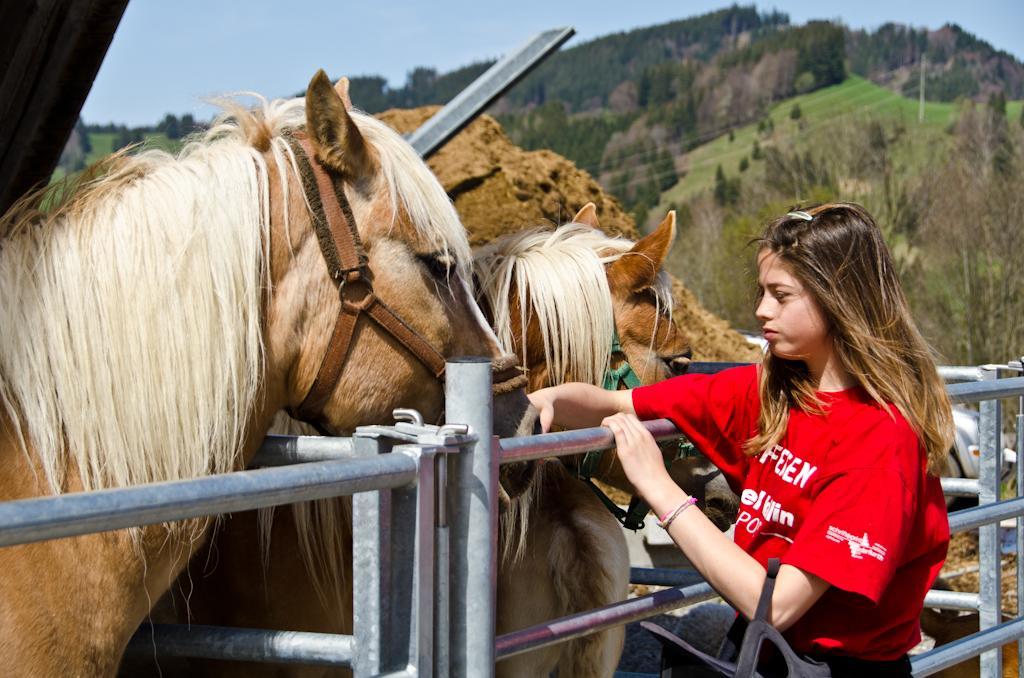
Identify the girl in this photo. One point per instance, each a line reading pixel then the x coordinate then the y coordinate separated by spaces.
pixel 834 443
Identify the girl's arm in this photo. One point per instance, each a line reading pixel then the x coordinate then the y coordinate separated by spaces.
pixel 728 568
pixel 578 405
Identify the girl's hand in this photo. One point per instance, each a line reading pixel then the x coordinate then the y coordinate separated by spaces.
pixel 544 402
pixel 639 455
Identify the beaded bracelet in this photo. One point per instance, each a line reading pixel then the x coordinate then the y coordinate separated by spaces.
pixel 667 519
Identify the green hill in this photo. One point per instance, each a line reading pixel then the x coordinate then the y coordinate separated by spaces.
pixel 854 99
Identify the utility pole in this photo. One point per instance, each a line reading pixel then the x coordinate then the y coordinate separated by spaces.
pixel 920 105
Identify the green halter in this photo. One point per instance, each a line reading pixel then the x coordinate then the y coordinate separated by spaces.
pixel 621 375
pixel 631 518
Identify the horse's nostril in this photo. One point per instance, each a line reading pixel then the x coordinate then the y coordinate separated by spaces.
pixel 678 364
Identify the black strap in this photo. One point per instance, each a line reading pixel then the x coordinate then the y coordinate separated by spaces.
pixel 677 653
pixel 632 518
pixel 760 629
pixel 767 590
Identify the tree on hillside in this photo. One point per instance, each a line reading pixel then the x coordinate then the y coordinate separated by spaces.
pixel 664 170
pixel 369 92
pixel 821 52
pixel 795 112
pixel 83 136
pixel 126 137
pixel 72 158
pixel 969 293
pixel 420 84
pixel 997 103
pixel 170 127
pixel 727 191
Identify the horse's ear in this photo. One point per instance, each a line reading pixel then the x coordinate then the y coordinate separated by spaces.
pixel 638 268
pixel 587 215
pixel 341 87
pixel 337 141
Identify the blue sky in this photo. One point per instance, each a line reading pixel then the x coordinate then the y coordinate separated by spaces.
pixel 166 57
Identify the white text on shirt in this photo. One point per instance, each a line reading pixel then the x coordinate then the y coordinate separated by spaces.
pixel 788 466
pixel 769 508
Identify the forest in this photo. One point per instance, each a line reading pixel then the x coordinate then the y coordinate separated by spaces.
pixel 737 115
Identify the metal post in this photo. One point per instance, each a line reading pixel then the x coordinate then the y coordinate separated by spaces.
pixel 472 519
pixel 988 535
pixel 442 568
pixel 1020 523
pixel 421 614
pixel 370 529
pixel 383 567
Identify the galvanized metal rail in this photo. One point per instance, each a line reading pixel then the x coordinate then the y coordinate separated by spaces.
pixel 31 520
pixel 250 645
pixel 424 597
pixel 494 82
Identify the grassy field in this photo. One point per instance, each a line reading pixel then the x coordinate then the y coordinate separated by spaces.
pixel 102 145
pixel 854 99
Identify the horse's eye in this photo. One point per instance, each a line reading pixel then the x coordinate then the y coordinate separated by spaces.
pixel 439 265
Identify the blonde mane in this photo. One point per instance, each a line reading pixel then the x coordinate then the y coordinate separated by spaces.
pixel 132 347
pixel 562 273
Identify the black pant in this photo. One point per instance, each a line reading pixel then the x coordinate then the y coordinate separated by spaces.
pixel 773 666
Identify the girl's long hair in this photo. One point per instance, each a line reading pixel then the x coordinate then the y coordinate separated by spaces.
pixel 842 261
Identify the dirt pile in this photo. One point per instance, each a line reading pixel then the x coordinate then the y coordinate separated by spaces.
pixel 498 187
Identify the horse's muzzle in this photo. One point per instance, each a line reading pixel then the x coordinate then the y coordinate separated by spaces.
pixel 678 364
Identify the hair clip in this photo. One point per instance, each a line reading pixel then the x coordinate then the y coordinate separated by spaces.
pixel 800 215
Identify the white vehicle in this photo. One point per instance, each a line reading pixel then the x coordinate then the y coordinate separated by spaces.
pixel 966 452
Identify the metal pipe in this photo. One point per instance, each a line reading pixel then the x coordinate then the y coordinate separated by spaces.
pixel 957 373
pixel 425 559
pixel 655 576
pixel 949 373
pixel 711 367
pixel 498 79
pixel 442 567
pixel 969 519
pixel 30 520
pixel 565 443
pixel 1019 527
pixel 472 520
pixel 663 576
pixel 371 565
pixel 278 450
pixel 236 644
pixel 989 588
pixel 960 487
pixel 974 392
pixel 952 600
pixel 953 653
pixel 585 623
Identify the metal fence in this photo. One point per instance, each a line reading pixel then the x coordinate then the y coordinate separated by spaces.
pixel 425 538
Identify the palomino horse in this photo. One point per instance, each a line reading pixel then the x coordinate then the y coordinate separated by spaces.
pixel 543 572
pixel 562 551
pixel 155 321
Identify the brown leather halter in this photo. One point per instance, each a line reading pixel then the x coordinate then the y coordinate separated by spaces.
pixel 347 262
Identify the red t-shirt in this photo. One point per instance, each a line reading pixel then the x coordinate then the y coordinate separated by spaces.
pixel 844 496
